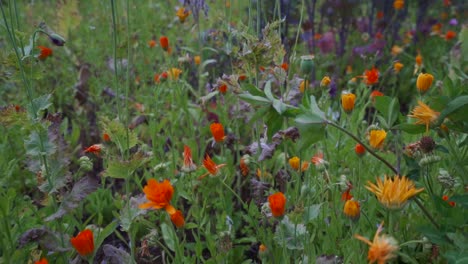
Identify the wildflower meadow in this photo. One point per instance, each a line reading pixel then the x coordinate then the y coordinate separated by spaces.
pixel 234 131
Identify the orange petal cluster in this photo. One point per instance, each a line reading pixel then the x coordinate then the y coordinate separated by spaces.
pixel 83 242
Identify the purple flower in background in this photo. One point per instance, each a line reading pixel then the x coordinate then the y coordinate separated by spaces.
pixel 453 22
pixel 376 46
pixel 333 89
pixel 362 24
pixel 327 42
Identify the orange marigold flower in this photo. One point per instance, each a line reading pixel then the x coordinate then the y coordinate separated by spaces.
pixel 197 60
pixel 152 43
pixel 450 35
pixel 164 42
pixel 285 66
pixel 95 149
pixel 242 77
pixel 42 261
pixel 305 165
pixel 83 242
pixel 374 94
pixel 182 14
pixel 424 82
pixel 262 248
pixel 396 50
pixel 452 203
pixel 158 194
pixel 217 130
pixel 360 150
pixel 325 82
pixel 177 218
pixel 346 195
pixel 419 59
pixel 377 138
pixel 347 101
pixel 106 137
pixel 277 204
pixel 222 88
pixel 294 162
pixel 397 66
pixel 211 166
pixel 424 114
pixel 317 159
pixel 303 85
pixel 160 77
pixel 371 76
pixel 398 4
pixel 45 52
pixel 188 162
pixel 395 192
pixel 381 249
pixel 352 209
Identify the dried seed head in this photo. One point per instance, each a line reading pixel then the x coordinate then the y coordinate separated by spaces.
pixel 427 144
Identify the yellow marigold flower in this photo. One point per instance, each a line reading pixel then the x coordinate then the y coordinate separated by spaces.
pixel 352 209
pixel 394 193
pixel 381 249
pixel 377 138
pixel 396 50
pixel 424 82
pixel 174 73
pixel 398 4
pixel 424 114
pixel 325 81
pixel 294 162
pixel 197 60
pixel 347 101
pixel 397 66
pixel 303 85
pixel 182 14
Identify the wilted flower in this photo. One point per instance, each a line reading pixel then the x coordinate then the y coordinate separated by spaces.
pixel 95 149
pixel 83 242
pixel 158 194
pixel 244 167
pixel 393 193
pixel 182 14
pixel 381 249
pixel 352 209
pixel 347 101
pixel 217 130
pixel 44 53
pixel 188 162
pixel 424 82
pixel 277 204
pixel 424 114
pixel 377 138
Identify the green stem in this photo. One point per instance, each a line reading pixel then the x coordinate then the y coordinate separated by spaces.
pixel 426 213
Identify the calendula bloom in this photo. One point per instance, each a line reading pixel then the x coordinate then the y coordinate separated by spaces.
pixel 374 94
pixel 303 85
pixel 44 53
pixel 42 261
pixel 217 130
pixel 182 14
pixel 197 60
pixel 211 167
pixel 188 162
pixel 398 4
pixel 285 66
pixel 352 209
pixel 381 249
pixel 305 165
pixel 159 194
pixel 294 162
pixel 325 81
pixel 371 76
pixel 396 50
pixel 262 248
pixel 377 138
pixel 160 77
pixel 424 114
pixel 397 66
pixel 83 242
pixel 346 195
pixel 222 88
pixel 164 42
pixel 347 101
pixel 178 219
pixel 174 73
pixel 360 150
pixel 424 82
pixel 419 59
pixel 317 159
pixel 395 192
pixel 349 69
pixel 106 137
pixel 152 43
pixel 95 149
pixel 277 204
pixel 450 35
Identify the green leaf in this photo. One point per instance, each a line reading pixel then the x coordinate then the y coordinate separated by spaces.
pixel 124 169
pixel 311 212
pixel 169 236
pixel 410 128
pixel 38 144
pixel 107 231
pixel 274 121
pixel 39 104
pixel 118 134
pixel 291 235
pixel 252 89
pixel 254 99
pixel 268 93
pixel 461 200
pixel 455 110
pixel 388 107
pixel 207 97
